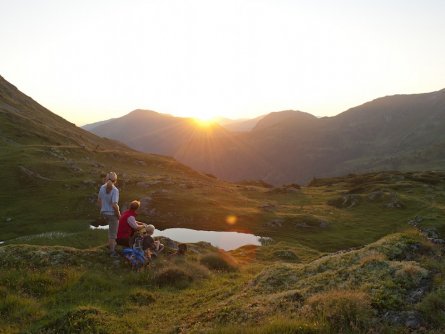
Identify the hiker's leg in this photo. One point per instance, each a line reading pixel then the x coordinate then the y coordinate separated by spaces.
pixel 113 223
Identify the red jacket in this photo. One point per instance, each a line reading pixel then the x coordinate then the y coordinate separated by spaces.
pixel 124 230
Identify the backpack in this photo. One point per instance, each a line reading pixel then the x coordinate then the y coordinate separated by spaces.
pixel 135 257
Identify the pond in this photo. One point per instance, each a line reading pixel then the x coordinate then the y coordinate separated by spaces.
pixel 224 240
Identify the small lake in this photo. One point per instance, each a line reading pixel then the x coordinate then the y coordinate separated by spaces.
pixel 224 240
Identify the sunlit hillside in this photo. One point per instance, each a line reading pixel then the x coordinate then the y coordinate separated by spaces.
pixel 351 254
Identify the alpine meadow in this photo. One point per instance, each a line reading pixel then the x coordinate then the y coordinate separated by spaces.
pixel 358 253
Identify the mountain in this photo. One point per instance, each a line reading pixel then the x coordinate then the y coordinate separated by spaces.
pixel 91 126
pixel 51 172
pixel 243 125
pixel 395 132
pixel 353 254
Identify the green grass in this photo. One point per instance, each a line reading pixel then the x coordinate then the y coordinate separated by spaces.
pixel 61 289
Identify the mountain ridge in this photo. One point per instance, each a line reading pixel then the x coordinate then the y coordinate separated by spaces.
pixel 294 146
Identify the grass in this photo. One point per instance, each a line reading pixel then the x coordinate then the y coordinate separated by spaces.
pixel 62 289
pixel 57 277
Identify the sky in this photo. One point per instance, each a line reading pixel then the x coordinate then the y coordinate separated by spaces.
pixel 91 60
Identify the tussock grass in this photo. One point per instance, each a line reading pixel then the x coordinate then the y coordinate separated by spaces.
pixel 219 262
pixel 344 311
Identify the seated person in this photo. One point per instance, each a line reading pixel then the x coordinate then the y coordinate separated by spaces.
pixel 149 245
pixel 128 224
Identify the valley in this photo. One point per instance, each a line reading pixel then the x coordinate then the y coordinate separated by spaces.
pixel 357 253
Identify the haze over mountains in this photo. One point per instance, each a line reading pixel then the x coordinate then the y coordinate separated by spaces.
pixel 395 132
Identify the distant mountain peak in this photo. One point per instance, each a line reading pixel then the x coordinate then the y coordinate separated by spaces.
pixel 278 117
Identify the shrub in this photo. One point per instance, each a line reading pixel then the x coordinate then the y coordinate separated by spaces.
pixel 141 298
pixel 342 310
pixel 173 276
pixel 16 308
pixel 218 262
pixel 83 319
pixel 277 326
pixel 286 255
pixel 433 308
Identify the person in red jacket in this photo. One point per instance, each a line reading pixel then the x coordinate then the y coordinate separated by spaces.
pixel 128 224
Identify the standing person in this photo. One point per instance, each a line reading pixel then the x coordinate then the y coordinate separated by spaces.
pixel 108 199
pixel 128 224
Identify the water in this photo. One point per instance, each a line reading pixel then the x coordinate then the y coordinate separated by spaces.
pixel 2 242
pixel 100 227
pixel 224 240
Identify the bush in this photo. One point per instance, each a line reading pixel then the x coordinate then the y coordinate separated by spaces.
pixel 286 255
pixel 218 262
pixel 83 319
pixel 433 308
pixel 342 310
pixel 172 276
pixel 277 326
pixel 141 298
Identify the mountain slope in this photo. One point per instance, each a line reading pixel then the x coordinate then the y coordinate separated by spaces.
pixel 51 171
pixel 394 132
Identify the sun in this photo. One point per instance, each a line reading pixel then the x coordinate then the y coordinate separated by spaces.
pixel 205 120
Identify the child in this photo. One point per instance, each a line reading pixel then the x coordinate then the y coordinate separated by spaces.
pixel 149 245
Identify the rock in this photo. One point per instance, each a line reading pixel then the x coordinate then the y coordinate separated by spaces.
pixel 141 163
pixel 268 207
pixel 275 223
pixel 346 201
pixel 144 185
pixel 8 220
pixel 145 205
pixel 395 202
pixel 32 174
pixel 413 320
pixel 324 224
pixel 416 221
pixel 376 195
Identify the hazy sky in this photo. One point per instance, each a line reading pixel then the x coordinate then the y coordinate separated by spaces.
pixel 90 60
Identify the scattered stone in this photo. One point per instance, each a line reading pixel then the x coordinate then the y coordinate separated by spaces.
pixel 395 202
pixel 8 220
pixel 32 174
pixel 265 241
pixel 416 221
pixel 141 163
pixel 275 223
pixel 286 255
pixel 346 201
pixel 268 207
pixel 324 224
pixel 376 195
pixel 144 185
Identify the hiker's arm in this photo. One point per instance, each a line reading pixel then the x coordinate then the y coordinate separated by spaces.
pixel 116 210
pixel 133 223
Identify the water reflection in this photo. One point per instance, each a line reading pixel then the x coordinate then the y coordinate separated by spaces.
pixel 223 240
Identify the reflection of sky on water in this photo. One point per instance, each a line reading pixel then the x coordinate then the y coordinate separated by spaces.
pixel 224 240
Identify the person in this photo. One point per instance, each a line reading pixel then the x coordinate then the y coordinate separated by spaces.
pixel 108 199
pixel 149 245
pixel 128 224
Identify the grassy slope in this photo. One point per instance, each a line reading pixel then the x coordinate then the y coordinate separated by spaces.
pixel 50 176
pixel 60 289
